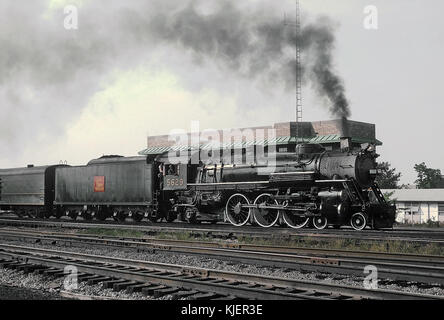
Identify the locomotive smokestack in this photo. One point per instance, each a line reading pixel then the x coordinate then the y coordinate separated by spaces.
pixel 345 138
pixel 344 130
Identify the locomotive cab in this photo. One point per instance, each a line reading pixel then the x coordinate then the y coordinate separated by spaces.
pixel 175 175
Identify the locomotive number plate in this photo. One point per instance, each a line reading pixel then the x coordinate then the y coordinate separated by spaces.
pixel 174 182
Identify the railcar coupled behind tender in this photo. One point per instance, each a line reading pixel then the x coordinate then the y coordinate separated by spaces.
pixel 311 186
pixel 28 191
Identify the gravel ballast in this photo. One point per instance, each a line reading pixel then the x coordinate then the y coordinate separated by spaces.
pixel 17 285
pixel 21 293
pixel 209 263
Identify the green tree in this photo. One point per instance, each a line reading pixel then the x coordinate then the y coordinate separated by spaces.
pixel 387 178
pixel 428 178
pixel 388 197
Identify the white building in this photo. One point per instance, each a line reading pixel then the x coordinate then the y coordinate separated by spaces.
pixel 418 205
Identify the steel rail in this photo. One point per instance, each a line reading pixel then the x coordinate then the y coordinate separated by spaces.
pixel 140 242
pixel 206 280
pixel 436 237
pixel 406 268
pixel 397 229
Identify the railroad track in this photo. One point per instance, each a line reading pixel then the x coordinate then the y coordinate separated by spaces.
pixel 160 279
pixel 399 267
pixel 226 230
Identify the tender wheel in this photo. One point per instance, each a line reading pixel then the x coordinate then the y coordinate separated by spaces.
pixel 137 216
pixel 72 214
pixel 358 221
pixel 86 215
pixel 294 221
pixel 263 216
pixel 152 216
pixel 236 214
pixel 102 214
pixel 119 216
pixel 153 219
pixel 320 222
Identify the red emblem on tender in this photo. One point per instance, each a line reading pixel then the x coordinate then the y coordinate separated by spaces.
pixel 99 184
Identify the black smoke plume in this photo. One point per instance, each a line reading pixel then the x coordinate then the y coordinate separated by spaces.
pixel 48 74
pixel 255 44
pixel 320 41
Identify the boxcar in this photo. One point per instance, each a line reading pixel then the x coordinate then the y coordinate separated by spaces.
pixel 28 191
pixel 109 186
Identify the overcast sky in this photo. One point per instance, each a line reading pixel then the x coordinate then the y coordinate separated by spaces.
pixel 77 94
pixel 393 76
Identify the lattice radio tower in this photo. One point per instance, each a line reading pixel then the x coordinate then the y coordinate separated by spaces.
pixel 297 25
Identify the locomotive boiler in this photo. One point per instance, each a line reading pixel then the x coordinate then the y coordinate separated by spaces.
pixel 112 186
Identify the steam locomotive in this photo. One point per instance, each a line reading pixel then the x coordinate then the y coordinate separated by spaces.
pixel 308 187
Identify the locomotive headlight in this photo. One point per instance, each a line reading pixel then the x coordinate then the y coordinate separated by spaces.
pixel 374 171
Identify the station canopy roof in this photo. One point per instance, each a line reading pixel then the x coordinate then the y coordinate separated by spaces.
pixel 325 139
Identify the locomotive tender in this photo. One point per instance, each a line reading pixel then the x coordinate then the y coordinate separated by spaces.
pixel 110 186
pixel 311 186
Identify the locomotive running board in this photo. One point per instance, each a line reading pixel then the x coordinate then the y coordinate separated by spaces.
pixel 292 176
